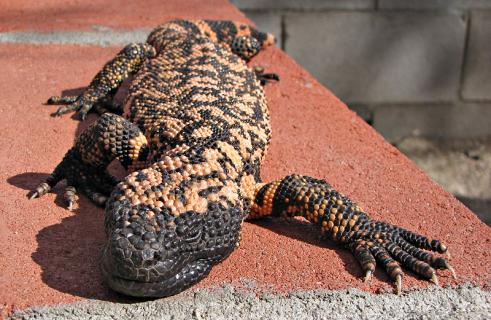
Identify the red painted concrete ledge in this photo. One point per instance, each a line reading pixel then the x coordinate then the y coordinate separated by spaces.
pixel 49 255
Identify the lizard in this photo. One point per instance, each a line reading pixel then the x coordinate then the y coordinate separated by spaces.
pixel 192 133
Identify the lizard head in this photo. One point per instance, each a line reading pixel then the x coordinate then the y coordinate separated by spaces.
pixel 154 250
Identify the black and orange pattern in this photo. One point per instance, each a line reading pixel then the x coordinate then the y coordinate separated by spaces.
pixel 193 138
pixel 345 222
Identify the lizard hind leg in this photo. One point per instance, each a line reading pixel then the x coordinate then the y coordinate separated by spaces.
pixel 84 165
pixel 343 221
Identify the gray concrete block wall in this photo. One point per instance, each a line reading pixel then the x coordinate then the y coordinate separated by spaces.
pixel 441 121
pixel 269 22
pixel 303 4
pixel 434 4
pixel 409 67
pixel 380 57
pixel 477 67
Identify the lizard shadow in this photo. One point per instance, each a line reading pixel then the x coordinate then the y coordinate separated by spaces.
pixel 302 230
pixel 68 252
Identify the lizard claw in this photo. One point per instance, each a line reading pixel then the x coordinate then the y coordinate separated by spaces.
pixel 398 284
pixel 83 115
pixel 65 109
pixel 434 279
pixel 451 269
pixel 70 196
pixel 96 197
pixel 448 255
pixel 33 194
pixel 368 276
pixel 95 184
pixel 40 191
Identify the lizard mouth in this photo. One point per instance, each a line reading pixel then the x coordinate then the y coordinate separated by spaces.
pixel 132 288
pixel 136 287
pixel 140 283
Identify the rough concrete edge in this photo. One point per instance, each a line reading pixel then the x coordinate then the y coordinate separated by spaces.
pixel 228 301
pixel 101 36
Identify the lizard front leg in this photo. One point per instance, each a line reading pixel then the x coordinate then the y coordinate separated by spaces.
pixel 263 77
pixel 84 165
pixel 343 221
pixel 107 81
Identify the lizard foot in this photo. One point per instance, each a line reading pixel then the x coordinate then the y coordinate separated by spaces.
pixel 71 196
pixel 264 78
pixel 392 247
pixel 76 103
pixel 94 182
pixel 71 103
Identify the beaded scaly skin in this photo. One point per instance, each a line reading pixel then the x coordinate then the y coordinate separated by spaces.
pixel 193 137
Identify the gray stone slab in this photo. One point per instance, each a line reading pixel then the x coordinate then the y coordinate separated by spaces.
pixel 367 57
pixel 267 21
pixel 470 120
pixel 303 4
pixel 433 4
pixel 477 68
pixel 464 302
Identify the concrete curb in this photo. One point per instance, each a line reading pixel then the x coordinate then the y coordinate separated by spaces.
pixel 228 302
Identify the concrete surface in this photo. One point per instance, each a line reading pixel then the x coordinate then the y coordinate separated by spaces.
pixel 304 5
pixel 269 22
pixel 465 302
pixel 477 68
pixel 433 121
pixel 49 15
pixel 374 57
pixel 394 54
pixel 49 255
pixel 462 167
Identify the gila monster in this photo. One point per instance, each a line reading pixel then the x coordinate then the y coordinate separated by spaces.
pixel 195 131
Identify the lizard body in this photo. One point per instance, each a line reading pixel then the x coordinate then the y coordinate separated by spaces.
pixel 193 139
